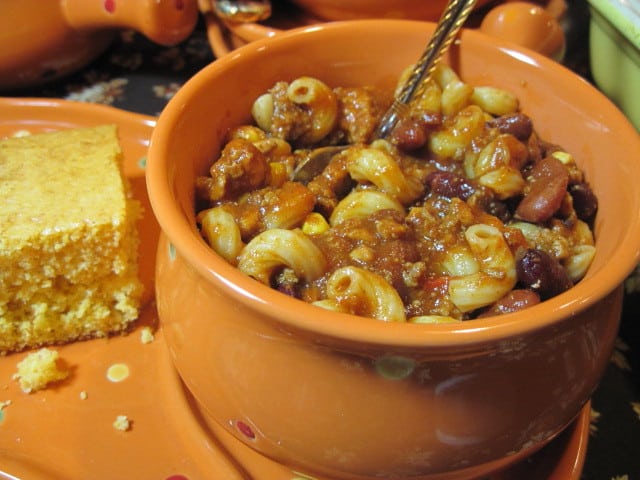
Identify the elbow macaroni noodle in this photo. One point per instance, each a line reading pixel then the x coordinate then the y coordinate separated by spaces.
pixel 365 293
pixel 321 102
pixel 222 233
pixel 376 166
pixel 496 275
pixel 275 248
pixel 423 232
pixel 363 203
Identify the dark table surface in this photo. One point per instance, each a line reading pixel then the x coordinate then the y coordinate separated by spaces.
pixel 137 75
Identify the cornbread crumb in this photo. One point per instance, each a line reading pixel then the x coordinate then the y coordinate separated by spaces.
pixel 122 423
pixel 146 335
pixel 38 369
pixel 68 239
pixel 84 395
pixel 4 404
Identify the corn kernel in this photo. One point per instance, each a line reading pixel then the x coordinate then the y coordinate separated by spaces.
pixel 277 174
pixel 362 254
pixel 315 224
pixel 565 157
pixel 273 146
pixel 247 132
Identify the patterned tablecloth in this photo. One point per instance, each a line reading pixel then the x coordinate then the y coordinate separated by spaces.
pixel 139 76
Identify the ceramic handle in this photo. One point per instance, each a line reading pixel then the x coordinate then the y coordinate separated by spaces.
pixel 166 22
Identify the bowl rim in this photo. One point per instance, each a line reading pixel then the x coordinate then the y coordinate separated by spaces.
pixel 301 316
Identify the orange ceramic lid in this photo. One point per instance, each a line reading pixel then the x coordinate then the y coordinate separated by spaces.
pixel 66 431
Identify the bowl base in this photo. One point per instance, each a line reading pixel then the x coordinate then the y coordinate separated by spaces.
pixel 561 459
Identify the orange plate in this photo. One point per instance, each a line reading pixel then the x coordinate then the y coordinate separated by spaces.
pixel 54 434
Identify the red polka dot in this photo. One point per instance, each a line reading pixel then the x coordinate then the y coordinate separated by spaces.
pixel 245 429
pixel 110 5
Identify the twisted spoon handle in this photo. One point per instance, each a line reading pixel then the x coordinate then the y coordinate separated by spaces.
pixel 452 19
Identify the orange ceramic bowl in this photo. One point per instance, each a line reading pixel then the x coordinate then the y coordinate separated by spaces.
pixel 338 396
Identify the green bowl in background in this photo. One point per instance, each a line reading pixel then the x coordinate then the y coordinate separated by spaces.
pixel 614 49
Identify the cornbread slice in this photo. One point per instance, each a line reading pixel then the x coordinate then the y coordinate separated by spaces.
pixel 68 239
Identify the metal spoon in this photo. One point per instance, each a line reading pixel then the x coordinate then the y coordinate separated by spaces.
pixel 452 19
pixel 315 162
pixel 242 11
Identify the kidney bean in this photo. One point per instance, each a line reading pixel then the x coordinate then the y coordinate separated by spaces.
pixel 585 202
pixel 548 182
pixel 287 288
pixel 411 133
pixel 498 209
pixel 540 272
pixel 450 185
pixel 548 147
pixel 517 150
pixel 512 302
pixel 535 148
pixel 429 120
pixel 517 124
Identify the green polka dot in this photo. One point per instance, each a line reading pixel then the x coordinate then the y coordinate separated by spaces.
pixel 142 163
pixel 172 252
pixel 395 367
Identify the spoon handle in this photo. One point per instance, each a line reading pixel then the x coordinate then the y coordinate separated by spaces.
pixel 452 19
